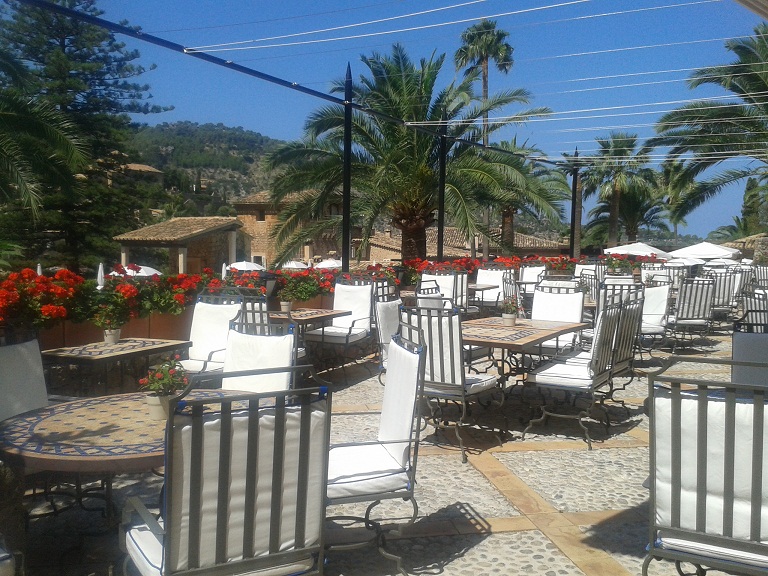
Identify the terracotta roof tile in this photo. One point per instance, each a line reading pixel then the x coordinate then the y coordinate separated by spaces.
pixel 179 229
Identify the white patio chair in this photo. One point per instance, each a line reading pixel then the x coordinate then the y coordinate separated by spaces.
pixel 429 295
pixel 386 467
pixel 709 491
pixel 693 310
pixel 653 326
pixel 529 277
pixel 578 376
pixel 254 319
pixel 244 491
pixel 492 297
pixel 446 381
pixel 346 333
pixel 724 297
pixel 560 303
pixel 210 327
pixel 387 321
pixel 252 351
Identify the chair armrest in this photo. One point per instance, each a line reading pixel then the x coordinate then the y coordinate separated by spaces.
pixel 210 357
pixel 134 504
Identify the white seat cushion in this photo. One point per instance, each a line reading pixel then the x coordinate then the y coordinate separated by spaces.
pixel 473 384
pixel 197 366
pixel 147 555
pixel 336 334
pixel 715 552
pixel 573 375
pixel 363 470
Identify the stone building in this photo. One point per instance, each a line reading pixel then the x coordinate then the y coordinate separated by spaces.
pixel 193 243
pixel 259 216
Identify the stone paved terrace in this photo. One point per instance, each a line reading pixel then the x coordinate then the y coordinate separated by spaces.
pixel 542 506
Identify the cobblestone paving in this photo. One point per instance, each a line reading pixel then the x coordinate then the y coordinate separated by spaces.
pixel 474 518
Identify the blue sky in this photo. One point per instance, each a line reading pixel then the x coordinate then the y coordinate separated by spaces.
pixel 600 65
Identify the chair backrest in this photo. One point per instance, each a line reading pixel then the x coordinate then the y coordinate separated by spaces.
pixel 613 293
pixel 446 281
pixel 626 335
pixel 441 331
pixel 531 273
pixel 580 268
pixel 384 289
pixel 560 286
pixel 591 281
pixel 749 347
pixel 509 286
pixel 224 295
pixel 694 300
pixel 724 287
pixel 245 481
pixel 210 327
pixel 756 310
pixel 358 299
pixel 251 351
pixel 493 277
pixel 760 272
pixel 606 325
pixel 399 407
pixel 655 305
pixel 557 306
pixel 428 295
pixel 387 322
pixel 22 381
pixel 254 317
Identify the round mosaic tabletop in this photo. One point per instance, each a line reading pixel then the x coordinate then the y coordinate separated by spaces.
pixel 109 434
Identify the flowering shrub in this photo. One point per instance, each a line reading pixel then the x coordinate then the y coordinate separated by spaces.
pixel 170 294
pixel 617 261
pixel 31 300
pixel 116 303
pixel 650 258
pixel 562 264
pixel 166 378
pixel 380 272
pixel 304 284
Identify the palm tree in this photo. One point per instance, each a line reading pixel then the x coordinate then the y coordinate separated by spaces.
pixel 614 169
pixel 37 143
pixel 394 167
pixel 533 188
pixel 675 183
pixel 638 207
pixel 480 44
pixel 713 132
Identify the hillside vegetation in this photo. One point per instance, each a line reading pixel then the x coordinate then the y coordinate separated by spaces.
pixel 217 158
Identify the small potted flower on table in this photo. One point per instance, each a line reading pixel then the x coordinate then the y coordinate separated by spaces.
pixel 163 382
pixel 510 309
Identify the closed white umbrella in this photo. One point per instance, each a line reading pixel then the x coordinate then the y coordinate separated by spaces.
pixel 328 263
pixel 39 269
pixel 638 249
pixel 100 276
pixel 224 270
pixel 245 266
pixel 143 271
pixel 295 264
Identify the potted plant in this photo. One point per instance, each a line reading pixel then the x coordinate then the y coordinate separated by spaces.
pixel 510 309
pixel 297 287
pixel 116 303
pixel 162 382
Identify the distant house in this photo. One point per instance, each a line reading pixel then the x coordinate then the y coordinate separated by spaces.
pixel 258 214
pixel 193 243
pixel 386 246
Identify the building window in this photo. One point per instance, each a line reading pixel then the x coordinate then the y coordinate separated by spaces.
pixel 261 215
pixel 258 260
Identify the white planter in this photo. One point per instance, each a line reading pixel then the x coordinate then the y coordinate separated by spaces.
pixel 158 406
pixel 112 336
pixel 285 306
pixel 508 319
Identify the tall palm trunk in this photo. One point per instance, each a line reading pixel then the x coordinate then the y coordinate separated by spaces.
pixel 508 231
pixel 613 216
pixel 414 242
pixel 577 211
pixel 486 210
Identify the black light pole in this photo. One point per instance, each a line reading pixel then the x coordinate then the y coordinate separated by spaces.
pixel 443 151
pixel 346 203
pixel 574 192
